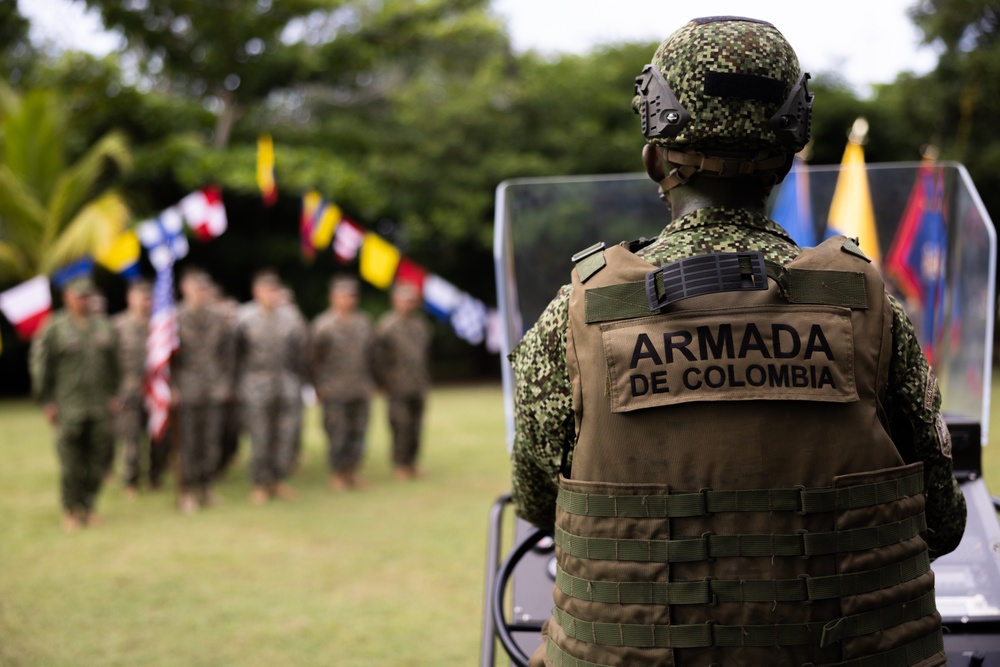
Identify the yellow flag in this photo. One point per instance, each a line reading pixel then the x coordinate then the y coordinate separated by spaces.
pixel 379 260
pixel 851 212
pixel 325 224
pixel 122 255
pixel 265 169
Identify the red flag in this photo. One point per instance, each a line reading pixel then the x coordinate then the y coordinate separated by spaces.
pixel 411 273
pixel 27 305
pixel 205 213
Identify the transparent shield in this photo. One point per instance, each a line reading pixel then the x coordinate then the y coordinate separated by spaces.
pixel 936 243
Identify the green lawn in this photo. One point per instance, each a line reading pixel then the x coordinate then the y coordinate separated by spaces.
pixel 392 576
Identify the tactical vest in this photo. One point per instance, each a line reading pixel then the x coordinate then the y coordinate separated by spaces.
pixel 734 497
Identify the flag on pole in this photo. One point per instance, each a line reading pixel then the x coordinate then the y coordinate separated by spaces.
pixel 204 213
pixel 122 255
pixel 851 212
pixel 347 240
pixel 379 260
pixel 27 305
pixel 916 260
pixel 160 346
pixel 265 170
pixel 792 208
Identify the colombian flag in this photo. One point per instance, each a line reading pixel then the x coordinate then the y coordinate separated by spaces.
pixel 851 212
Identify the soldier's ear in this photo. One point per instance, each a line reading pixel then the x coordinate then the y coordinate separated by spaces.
pixel 653 162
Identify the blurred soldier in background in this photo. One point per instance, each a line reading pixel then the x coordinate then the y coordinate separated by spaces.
pixel 340 366
pixel 289 308
pixel 201 373
pixel 75 374
pixel 402 370
pixel 270 352
pixel 657 427
pixel 231 427
pixel 131 330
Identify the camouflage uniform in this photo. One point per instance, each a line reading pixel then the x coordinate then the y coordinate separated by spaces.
pixel 269 371
pixel 77 370
pixel 131 332
pixel 402 368
pixel 201 373
pixel 340 367
pixel 544 415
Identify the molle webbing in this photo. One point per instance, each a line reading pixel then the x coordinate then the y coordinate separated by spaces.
pixel 692 549
pixel 704 503
pixel 703 635
pixel 903 656
pixel 711 591
pixel 799 286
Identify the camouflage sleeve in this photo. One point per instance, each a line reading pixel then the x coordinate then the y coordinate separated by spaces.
pixel 40 365
pixel 913 406
pixel 543 413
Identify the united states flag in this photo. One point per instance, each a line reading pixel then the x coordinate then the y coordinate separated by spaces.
pixel 160 346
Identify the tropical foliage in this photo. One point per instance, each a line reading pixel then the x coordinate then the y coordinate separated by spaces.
pixel 53 210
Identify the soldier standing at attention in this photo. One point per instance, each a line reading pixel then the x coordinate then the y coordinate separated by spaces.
pixel 131 331
pixel 402 369
pixel 723 467
pixel 341 344
pixel 75 375
pixel 201 374
pixel 270 356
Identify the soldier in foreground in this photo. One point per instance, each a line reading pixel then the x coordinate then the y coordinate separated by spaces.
pixel 402 370
pixel 201 372
pixel 131 331
pixel 753 473
pixel 74 368
pixel 341 344
pixel 270 349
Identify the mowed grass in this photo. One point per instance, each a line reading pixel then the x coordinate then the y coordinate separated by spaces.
pixel 389 576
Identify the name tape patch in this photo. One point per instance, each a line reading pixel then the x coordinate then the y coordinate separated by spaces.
pixel 761 353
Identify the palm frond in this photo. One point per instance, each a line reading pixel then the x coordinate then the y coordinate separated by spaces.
pixel 22 217
pixel 13 264
pixel 95 226
pixel 76 185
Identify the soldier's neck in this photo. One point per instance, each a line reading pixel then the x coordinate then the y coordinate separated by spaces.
pixel 706 192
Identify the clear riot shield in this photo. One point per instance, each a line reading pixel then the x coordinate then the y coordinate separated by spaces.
pixel 937 250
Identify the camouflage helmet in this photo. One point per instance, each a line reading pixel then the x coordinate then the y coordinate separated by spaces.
pixel 725 85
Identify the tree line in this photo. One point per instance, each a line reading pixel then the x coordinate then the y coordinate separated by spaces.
pixel 406 113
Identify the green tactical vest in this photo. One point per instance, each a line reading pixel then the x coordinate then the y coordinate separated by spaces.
pixel 735 498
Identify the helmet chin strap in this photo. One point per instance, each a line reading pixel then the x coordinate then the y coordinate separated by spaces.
pixel 769 167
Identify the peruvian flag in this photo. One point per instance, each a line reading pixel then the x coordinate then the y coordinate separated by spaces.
pixel 205 213
pixel 347 240
pixel 27 305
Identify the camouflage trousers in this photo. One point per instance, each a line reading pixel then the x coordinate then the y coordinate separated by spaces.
pixel 405 419
pixel 230 436
pixel 200 442
pixel 273 426
pixel 141 455
pixel 83 445
pixel 345 422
